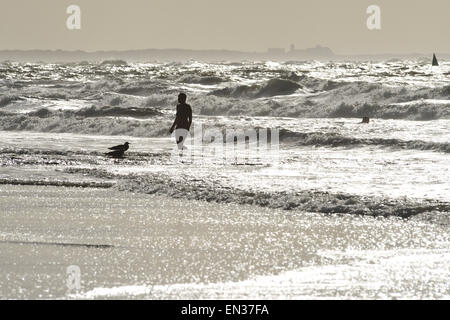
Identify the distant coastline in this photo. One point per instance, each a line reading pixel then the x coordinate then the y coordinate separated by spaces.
pixel 147 55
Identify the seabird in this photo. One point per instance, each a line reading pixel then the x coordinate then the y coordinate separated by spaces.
pixel 118 151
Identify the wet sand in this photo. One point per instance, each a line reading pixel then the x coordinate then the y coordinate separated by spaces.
pixel 145 246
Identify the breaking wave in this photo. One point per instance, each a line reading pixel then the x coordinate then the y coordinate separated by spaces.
pixel 105 111
pixel 7 99
pixel 205 80
pixel 421 110
pixel 327 99
pixel 210 189
pixel 304 200
pixel 307 200
pixel 148 122
pixel 99 121
pixel 337 140
pixel 273 87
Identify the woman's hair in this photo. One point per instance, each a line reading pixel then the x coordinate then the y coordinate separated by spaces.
pixel 182 97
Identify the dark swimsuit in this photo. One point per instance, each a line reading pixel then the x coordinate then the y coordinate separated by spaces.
pixel 184 114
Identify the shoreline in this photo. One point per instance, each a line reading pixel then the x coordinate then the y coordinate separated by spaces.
pixel 175 246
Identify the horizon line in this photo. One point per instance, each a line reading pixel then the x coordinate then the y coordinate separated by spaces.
pixel 286 51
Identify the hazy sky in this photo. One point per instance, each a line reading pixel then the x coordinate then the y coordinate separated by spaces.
pixel 251 25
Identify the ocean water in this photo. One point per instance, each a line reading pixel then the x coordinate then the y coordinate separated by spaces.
pixel 57 121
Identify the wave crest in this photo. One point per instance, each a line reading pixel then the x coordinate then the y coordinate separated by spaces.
pixel 71 122
pixel 337 140
pixel 307 200
pixel 273 87
pixel 204 80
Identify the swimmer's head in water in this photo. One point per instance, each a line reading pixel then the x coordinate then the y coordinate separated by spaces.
pixel 182 98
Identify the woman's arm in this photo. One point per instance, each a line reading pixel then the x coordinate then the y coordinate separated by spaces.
pixel 190 117
pixel 174 122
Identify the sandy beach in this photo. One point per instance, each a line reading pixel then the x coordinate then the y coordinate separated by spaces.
pixel 138 246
